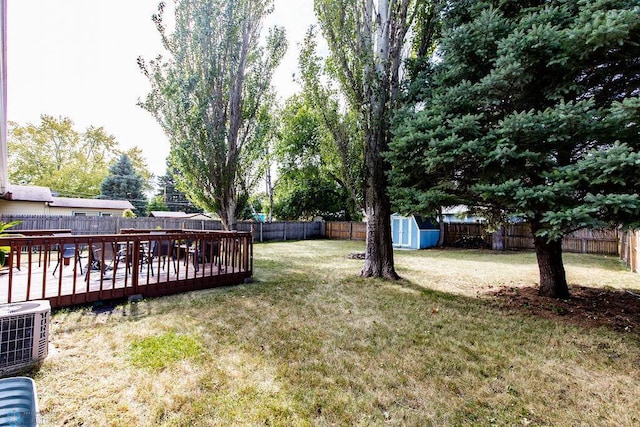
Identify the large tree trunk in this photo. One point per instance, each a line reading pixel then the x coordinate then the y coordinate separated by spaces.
pixel 228 210
pixel 553 281
pixel 378 261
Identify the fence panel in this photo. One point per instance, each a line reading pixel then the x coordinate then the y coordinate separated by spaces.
pixel 517 236
pixel 86 225
pixel 598 241
pixel 455 232
pixel 629 241
pixel 344 230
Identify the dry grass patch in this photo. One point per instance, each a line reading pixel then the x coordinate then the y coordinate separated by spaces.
pixel 311 343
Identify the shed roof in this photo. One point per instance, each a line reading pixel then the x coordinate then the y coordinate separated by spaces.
pixel 70 202
pixel 28 193
pixel 168 214
pixel 200 216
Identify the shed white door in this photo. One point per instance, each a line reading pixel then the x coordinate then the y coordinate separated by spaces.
pixel 404 231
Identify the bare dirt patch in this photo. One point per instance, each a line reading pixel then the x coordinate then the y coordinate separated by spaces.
pixel 587 307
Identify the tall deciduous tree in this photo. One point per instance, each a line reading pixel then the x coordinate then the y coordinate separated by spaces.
pixel 366 39
pixel 208 94
pixel 124 183
pixel 309 181
pixel 54 154
pixel 530 108
pixel 343 152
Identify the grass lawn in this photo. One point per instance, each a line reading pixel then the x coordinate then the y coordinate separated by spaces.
pixel 311 343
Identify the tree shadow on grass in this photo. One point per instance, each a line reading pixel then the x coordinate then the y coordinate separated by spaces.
pixel 587 307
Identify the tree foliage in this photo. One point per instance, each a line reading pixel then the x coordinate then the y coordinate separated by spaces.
pixel 343 142
pixel 307 182
pixel 124 183
pixel 156 204
pixel 54 154
pixel 73 164
pixel 208 95
pixel 309 196
pixel 528 108
pixel 139 162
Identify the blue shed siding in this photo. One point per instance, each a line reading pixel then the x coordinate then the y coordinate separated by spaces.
pixel 408 232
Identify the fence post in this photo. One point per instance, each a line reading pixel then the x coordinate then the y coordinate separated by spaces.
pixel 284 230
pixel 350 230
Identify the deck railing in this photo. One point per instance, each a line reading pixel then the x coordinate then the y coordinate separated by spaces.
pixel 77 269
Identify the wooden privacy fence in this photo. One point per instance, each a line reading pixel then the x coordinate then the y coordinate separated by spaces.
pixel 86 225
pixel 629 248
pixel 345 230
pixel 282 230
pixel 518 236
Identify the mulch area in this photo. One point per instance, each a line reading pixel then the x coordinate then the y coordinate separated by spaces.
pixel 587 307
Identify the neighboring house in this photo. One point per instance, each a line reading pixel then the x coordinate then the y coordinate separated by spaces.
pixel 4 174
pixel 459 214
pixel 26 199
pixel 88 207
pixel 34 200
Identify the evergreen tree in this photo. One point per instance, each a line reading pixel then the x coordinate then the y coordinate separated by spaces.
pixel 124 183
pixel 528 108
pixel 156 204
pixel 174 199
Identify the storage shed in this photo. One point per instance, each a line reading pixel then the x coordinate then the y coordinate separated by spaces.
pixel 413 232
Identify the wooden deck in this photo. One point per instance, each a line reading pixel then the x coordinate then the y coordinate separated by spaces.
pixel 209 259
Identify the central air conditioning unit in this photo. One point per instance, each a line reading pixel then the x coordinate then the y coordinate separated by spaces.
pixel 24 335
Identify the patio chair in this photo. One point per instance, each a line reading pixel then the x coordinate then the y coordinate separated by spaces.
pixel 210 252
pixel 102 260
pixel 125 254
pixel 164 249
pixel 67 252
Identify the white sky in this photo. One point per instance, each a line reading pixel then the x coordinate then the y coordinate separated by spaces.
pixel 77 59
